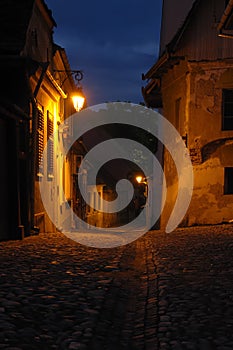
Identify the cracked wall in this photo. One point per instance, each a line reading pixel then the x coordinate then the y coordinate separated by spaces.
pixel 199 88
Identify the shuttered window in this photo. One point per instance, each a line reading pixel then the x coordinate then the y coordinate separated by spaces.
pixel 50 146
pixel 40 142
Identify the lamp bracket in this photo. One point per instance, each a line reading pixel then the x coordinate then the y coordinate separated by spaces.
pixel 77 75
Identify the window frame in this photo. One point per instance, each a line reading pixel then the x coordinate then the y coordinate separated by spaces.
pixel 226 118
pixel 228 176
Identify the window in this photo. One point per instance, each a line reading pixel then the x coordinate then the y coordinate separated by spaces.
pixel 50 146
pixel 40 141
pixel 227 100
pixel 228 181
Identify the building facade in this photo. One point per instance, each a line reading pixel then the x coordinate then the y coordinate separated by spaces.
pixel 35 100
pixel 192 85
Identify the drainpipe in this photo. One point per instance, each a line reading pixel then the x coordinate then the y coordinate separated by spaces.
pixel 33 159
pixel 32 153
pixel 223 20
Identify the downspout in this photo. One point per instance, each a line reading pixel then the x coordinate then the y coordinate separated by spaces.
pixel 32 154
pixel 225 15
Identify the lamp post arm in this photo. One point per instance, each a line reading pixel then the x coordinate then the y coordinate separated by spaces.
pixel 78 75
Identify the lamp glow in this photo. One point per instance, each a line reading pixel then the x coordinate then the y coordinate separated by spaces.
pixel 78 101
pixel 139 179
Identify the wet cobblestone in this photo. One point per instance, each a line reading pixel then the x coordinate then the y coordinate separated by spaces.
pixel 164 291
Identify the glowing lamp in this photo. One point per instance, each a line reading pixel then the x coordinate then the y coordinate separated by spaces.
pixel 78 100
pixel 139 179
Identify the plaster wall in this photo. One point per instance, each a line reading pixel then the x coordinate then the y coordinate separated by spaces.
pixel 199 87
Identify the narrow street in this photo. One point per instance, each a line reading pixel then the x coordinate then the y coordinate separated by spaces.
pixel 164 291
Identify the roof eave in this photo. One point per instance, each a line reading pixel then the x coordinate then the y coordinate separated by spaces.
pixel 47 11
pixel 225 16
pixel 152 94
pixel 164 58
pixel 165 63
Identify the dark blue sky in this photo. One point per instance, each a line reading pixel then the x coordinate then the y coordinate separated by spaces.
pixel 113 42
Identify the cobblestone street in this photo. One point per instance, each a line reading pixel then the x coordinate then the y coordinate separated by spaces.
pixel 164 291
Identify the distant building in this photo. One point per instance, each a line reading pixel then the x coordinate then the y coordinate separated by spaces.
pixel 192 85
pixel 33 102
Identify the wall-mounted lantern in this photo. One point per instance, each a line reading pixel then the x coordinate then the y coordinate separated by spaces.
pixel 77 96
pixel 139 179
pixel 78 99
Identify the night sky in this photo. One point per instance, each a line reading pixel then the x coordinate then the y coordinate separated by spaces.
pixel 113 42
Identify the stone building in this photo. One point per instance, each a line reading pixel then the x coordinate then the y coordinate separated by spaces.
pixel 34 100
pixel 192 85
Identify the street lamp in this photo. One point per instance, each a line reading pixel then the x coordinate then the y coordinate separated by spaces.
pixel 78 99
pixel 139 179
pixel 77 96
pixel 144 181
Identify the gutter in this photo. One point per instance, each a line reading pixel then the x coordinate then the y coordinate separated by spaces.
pixel 221 32
pixel 56 85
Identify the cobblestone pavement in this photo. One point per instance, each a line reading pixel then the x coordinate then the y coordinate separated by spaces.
pixel 164 291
